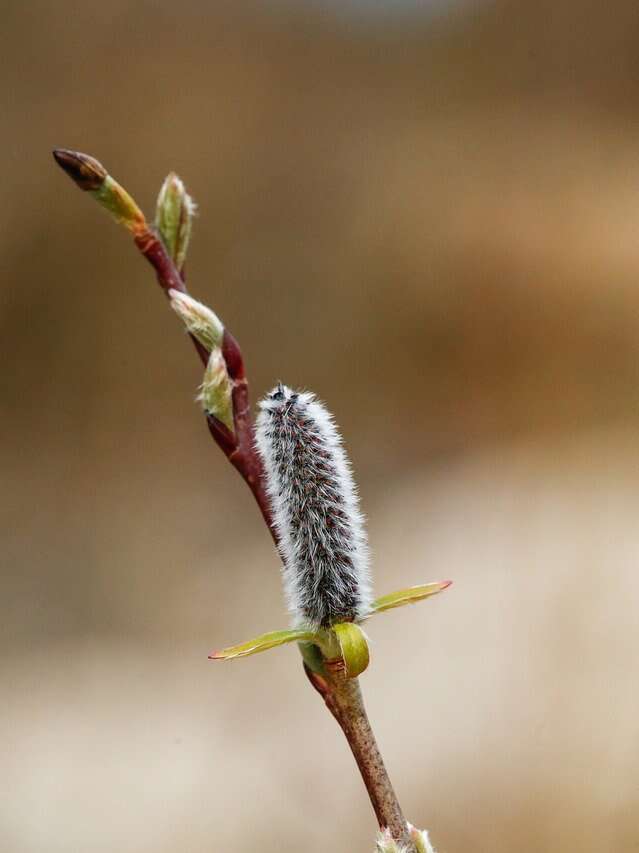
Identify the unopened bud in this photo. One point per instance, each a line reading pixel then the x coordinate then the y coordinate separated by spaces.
pixel 174 217
pixel 216 390
pixel 90 175
pixel 199 320
pixel 87 172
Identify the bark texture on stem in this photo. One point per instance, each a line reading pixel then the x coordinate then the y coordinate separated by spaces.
pixel 343 698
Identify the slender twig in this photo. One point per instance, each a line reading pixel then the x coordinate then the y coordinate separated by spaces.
pixel 342 695
pixel 88 174
pixel 239 449
pixel 343 698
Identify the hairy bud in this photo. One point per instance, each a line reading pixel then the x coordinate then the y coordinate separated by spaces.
pixel 216 390
pixel 174 214
pixel 199 320
pixel 316 510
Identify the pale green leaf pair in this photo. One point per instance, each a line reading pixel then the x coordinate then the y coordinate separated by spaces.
pixel 344 640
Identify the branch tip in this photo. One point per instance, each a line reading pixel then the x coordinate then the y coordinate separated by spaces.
pixel 87 172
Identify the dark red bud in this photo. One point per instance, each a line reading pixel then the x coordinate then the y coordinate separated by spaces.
pixel 87 172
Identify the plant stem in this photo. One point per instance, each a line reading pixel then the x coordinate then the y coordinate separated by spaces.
pixel 239 449
pixel 342 695
pixel 343 698
pixel 89 175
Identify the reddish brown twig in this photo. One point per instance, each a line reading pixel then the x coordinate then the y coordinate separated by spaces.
pixel 89 175
pixel 238 448
pixel 343 698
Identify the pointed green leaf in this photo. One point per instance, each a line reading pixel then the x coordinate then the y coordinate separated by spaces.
pixel 353 646
pixel 408 596
pixel 262 644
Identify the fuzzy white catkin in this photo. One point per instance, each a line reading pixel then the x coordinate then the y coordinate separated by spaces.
pixel 315 509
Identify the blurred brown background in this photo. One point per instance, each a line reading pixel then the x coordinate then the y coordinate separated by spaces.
pixel 426 213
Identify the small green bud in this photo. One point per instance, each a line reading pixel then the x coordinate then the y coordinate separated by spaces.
pixel 174 214
pixel 199 320
pixel 216 390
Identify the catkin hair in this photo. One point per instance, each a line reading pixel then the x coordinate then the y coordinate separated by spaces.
pixel 316 510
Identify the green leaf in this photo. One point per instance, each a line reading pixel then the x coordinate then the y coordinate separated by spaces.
pixel 353 646
pixel 262 644
pixel 408 596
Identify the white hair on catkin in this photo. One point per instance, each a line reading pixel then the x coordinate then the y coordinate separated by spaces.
pixel 315 509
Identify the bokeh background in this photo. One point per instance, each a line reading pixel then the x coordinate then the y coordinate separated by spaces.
pixel 426 212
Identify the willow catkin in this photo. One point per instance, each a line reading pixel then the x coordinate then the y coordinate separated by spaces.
pixel 316 510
